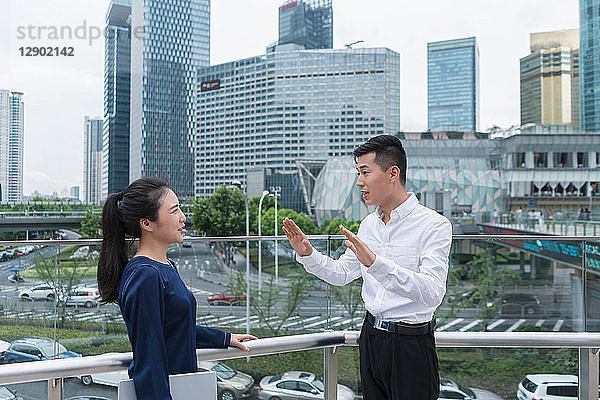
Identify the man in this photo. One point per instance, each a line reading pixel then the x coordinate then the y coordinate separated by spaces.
pixel 401 252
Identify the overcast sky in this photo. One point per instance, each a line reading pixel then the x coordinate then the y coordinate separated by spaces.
pixel 59 91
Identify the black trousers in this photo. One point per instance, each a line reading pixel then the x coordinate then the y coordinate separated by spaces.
pixel 398 367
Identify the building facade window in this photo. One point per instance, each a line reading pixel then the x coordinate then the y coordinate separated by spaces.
pixel 562 160
pixel 519 160
pixel 540 160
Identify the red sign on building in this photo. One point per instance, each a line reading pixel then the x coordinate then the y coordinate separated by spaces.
pixel 210 85
pixel 288 5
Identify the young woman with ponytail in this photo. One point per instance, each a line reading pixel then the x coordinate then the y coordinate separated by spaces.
pixel 158 309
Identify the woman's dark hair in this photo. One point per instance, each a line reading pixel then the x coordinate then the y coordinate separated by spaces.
pixel 121 216
pixel 388 152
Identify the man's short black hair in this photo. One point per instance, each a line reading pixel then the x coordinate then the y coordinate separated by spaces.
pixel 388 152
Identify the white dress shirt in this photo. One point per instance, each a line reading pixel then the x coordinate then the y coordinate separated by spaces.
pixel 407 281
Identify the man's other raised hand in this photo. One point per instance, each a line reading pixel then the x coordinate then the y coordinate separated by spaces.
pixel 297 238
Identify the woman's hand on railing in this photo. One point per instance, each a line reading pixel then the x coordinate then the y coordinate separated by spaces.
pixel 237 339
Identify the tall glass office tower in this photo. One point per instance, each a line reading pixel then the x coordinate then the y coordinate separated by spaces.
pixel 92 155
pixel 306 23
pixel 12 117
pixel 589 54
pixel 117 71
pixel 269 111
pixel 453 85
pixel 169 39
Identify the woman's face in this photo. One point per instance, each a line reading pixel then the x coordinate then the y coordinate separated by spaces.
pixel 170 224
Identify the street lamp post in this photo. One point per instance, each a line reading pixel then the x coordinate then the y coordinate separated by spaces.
pixel 276 190
pixel 238 184
pixel 264 193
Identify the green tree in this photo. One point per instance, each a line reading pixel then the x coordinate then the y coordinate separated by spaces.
pixel 333 228
pixel 90 225
pixel 275 304
pixel 302 220
pixel 489 285
pixel 48 269
pixel 350 297
pixel 222 214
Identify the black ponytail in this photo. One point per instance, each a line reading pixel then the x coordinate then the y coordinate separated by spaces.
pixel 121 217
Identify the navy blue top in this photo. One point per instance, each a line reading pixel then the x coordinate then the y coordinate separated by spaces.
pixel 160 314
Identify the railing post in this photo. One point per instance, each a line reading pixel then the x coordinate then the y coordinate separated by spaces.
pixel 331 373
pixel 588 374
pixel 55 389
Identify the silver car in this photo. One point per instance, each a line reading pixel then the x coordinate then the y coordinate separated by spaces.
pixel 298 385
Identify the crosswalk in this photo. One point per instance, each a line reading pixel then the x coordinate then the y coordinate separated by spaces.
pixel 310 323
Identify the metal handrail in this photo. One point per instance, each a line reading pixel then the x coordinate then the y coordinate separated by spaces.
pixel 63 368
pixel 312 237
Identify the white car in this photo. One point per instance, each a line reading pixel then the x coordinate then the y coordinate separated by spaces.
pixel 548 387
pixel 105 378
pixel 299 385
pixel 39 292
pixel 83 296
pixel 451 390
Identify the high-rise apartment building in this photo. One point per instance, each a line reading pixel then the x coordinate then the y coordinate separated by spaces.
pixel 589 46
pixel 550 79
pixel 12 115
pixel 307 24
pixel 117 71
pixel 269 111
pixel 92 160
pixel 453 85
pixel 169 40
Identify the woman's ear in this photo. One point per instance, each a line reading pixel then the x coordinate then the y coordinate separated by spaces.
pixel 146 225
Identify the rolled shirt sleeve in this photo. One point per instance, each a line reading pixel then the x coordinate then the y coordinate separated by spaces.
pixel 427 285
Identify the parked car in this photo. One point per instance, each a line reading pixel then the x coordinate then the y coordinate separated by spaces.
pixel 231 384
pixel 548 387
pixel 3 345
pixel 7 394
pixel 34 349
pixel 83 296
pixel 4 256
pixel 39 292
pixel 186 241
pixel 88 397
pixel 226 298
pixel 519 304
pixel 451 390
pixel 298 385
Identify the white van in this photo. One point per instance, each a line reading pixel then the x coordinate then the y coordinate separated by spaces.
pixel 548 387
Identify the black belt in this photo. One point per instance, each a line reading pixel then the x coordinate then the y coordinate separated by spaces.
pixel 401 328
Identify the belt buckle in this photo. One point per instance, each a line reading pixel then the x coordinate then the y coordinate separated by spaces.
pixel 381 324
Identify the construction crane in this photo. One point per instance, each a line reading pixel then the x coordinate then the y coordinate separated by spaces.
pixel 349 45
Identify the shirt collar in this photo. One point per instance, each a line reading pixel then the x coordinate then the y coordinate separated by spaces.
pixel 403 209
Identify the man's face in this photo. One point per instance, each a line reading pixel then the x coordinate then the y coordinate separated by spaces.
pixel 376 186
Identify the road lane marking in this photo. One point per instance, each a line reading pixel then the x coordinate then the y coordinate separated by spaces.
pixel 516 325
pixel 558 325
pixel 469 325
pixel 495 324
pixel 450 324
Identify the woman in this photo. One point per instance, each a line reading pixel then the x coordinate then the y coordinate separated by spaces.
pixel 159 311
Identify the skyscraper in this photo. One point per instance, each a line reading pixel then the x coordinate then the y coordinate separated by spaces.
pixel 550 79
pixel 92 157
pixel 164 56
pixel 12 112
pixel 589 23
pixel 117 71
pixel 453 85
pixel 269 111
pixel 305 23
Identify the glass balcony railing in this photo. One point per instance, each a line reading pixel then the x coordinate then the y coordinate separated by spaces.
pixel 516 305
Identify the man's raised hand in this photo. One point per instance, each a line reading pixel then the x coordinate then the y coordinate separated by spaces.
pixel 360 249
pixel 297 238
